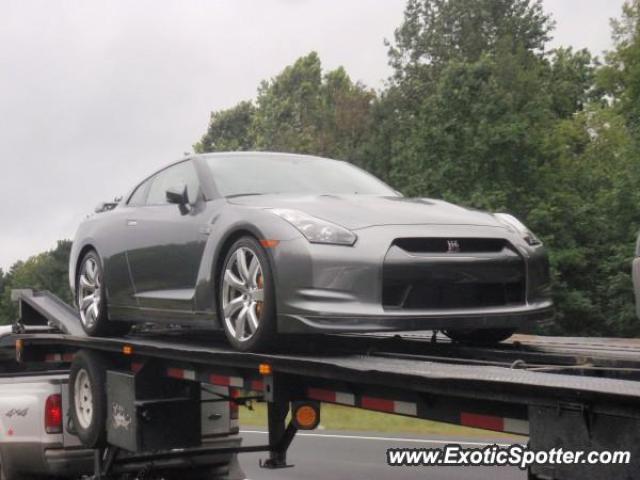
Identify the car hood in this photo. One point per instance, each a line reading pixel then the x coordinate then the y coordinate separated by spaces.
pixel 361 211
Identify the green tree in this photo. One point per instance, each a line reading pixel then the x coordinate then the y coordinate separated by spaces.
pixel 588 215
pixel 437 32
pixel 572 81
pixel 300 110
pixel 476 139
pixel 45 271
pixel 620 77
pixel 229 130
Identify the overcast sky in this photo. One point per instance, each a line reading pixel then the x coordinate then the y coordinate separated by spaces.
pixel 94 95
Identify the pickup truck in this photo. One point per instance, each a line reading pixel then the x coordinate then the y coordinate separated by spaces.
pixel 36 435
pixel 32 439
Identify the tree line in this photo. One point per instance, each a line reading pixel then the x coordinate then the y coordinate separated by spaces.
pixel 479 111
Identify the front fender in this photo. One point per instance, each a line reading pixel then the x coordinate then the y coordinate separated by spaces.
pixel 225 229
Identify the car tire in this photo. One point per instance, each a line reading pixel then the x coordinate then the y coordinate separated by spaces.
pixel 91 300
pixel 249 290
pixel 88 398
pixel 489 336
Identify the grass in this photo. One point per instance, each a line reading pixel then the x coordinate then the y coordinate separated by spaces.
pixel 337 417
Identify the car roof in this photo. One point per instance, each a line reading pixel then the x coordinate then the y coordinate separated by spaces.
pixel 251 153
pixel 235 154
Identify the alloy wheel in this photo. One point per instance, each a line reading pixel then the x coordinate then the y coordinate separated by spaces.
pixel 243 294
pixel 89 294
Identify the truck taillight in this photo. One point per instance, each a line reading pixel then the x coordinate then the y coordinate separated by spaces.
pixel 53 414
pixel 233 406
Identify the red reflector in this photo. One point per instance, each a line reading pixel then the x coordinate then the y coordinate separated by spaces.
pixel 380 404
pixel 175 373
pixel 488 422
pixel 322 394
pixel 233 406
pixel 53 414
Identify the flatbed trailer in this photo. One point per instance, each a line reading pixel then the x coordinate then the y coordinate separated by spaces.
pixel 575 394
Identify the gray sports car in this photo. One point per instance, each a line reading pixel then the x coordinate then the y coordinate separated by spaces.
pixel 260 244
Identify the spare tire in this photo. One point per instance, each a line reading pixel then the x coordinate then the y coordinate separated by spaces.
pixel 88 397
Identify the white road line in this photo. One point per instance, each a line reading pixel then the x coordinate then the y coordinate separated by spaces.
pixel 387 439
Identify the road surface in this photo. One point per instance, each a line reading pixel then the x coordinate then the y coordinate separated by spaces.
pixel 320 455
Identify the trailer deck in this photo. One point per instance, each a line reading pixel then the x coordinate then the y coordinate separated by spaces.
pixel 567 392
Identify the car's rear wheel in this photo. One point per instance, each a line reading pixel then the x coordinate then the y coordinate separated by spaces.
pixel 91 299
pixel 247 296
pixel 487 336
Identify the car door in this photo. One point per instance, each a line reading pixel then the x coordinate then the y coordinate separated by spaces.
pixel 114 245
pixel 166 241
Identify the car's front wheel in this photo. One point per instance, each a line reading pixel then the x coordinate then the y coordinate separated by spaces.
pixel 91 299
pixel 488 336
pixel 247 296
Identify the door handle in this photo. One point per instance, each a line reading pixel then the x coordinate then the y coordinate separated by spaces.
pixel 131 223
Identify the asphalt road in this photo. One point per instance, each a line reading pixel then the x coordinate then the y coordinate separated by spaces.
pixel 326 455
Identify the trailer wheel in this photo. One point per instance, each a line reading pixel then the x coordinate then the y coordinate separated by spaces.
pixel 247 296
pixel 489 336
pixel 91 299
pixel 88 399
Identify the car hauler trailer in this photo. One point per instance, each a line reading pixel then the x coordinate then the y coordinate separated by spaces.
pixel 570 393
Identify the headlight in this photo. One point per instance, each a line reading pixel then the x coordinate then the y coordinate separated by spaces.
pixel 513 222
pixel 316 230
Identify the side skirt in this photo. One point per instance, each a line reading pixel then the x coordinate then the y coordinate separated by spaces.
pixel 205 320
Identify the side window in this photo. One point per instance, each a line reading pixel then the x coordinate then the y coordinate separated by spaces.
pixel 139 196
pixel 181 174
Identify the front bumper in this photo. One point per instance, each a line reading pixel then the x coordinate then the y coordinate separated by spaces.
pixel 327 288
pixel 512 318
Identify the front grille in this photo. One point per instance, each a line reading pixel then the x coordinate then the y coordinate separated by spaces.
pixel 423 273
pixel 441 245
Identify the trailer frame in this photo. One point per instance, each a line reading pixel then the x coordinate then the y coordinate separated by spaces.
pixel 568 401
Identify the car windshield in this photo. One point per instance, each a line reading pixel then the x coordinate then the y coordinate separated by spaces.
pixel 270 174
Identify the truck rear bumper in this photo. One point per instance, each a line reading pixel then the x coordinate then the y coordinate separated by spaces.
pixel 54 461
pixel 62 462
pixel 35 458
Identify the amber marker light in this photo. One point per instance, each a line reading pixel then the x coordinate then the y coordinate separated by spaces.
pixel 19 349
pixel 269 243
pixel 306 415
pixel 127 350
pixel 265 369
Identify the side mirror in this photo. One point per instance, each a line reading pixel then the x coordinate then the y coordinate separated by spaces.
pixel 178 194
